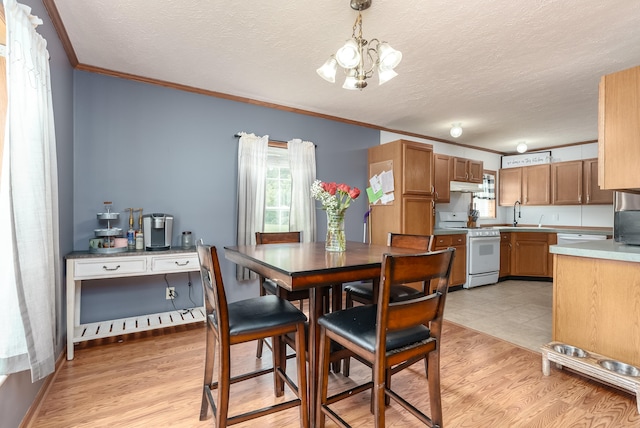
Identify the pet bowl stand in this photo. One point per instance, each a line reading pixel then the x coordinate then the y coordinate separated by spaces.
pixel 589 366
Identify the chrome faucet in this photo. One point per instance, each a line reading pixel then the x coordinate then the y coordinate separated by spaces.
pixel 515 222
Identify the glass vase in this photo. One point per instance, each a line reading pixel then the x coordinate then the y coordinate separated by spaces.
pixel 336 240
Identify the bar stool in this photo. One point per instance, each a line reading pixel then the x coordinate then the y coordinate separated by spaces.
pixel 243 321
pixel 363 292
pixel 391 335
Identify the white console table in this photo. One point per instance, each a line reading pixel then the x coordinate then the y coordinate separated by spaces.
pixel 83 265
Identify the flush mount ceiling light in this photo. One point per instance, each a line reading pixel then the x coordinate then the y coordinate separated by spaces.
pixel 359 58
pixel 456 130
pixel 521 147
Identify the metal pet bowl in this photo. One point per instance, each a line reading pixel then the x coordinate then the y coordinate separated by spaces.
pixel 569 350
pixel 620 368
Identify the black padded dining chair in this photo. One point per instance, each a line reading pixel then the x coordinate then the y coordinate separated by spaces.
pixel 363 292
pixel 389 335
pixel 267 286
pixel 243 321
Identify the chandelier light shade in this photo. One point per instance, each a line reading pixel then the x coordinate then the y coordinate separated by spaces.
pixel 521 147
pixel 360 58
pixel 456 130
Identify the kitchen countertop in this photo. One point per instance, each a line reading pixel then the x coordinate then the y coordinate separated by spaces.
pixel 557 229
pixel 603 249
pixel 535 228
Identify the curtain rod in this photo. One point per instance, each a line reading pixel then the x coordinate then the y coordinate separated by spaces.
pixel 275 141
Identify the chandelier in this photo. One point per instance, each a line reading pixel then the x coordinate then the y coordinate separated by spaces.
pixel 359 58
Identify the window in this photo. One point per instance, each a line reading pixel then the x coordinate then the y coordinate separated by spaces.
pixel 277 190
pixel 485 201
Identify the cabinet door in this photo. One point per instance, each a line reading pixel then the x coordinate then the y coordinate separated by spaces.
pixel 418 169
pixel 592 193
pixel 530 254
pixel 566 183
pixel 505 254
pixel 418 215
pixel 459 169
pixel 618 125
pixel 442 171
pixel 475 168
pixel 535 185
pixel 459 268
pixel 509 186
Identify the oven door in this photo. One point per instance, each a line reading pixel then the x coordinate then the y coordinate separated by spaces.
pixel 484 254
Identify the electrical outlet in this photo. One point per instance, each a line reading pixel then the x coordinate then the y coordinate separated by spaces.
pixel 171 293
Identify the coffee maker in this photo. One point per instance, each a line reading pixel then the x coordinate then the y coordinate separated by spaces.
pixel 158 229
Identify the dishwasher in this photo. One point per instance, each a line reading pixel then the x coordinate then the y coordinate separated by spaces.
pixel 574 238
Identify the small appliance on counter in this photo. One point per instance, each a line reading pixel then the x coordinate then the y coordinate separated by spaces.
pixel 158 230
pixel 626 218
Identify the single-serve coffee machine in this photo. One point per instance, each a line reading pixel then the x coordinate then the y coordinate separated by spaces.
pixel 157 229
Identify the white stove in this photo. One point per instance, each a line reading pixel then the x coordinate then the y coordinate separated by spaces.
pixel 483 248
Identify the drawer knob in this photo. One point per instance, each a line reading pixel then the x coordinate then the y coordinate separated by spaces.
pixel 182 264
pixel 111 269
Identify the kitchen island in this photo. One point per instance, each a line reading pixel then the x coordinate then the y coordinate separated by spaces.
pixel 596 298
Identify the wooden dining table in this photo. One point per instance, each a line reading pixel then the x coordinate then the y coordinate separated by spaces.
pixel 300 266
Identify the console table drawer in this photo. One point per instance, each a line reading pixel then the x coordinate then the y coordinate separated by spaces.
pixel 109 268
pixel 174 263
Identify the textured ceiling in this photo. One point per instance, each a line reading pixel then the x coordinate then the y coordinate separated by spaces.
pixel 509 71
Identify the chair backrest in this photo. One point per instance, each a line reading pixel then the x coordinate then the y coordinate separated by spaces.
pixel 214 296
pixel 421 243
pixel 278 237
pixel 424 309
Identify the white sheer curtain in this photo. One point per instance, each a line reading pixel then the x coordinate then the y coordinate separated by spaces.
pixel 29 261
pixel 302 164
pixel 252 175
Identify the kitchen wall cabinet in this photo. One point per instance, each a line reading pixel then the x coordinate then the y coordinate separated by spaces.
pixel 459 268
pixel 619 130
pixel 528 184
pixel 536 185
pixel 566 183
pixel 509 186
pixel 466 170
pixel 530 254
pixel 576 182
pixel 505 254
pixel 442 176
pixel 413 209
pixel 592 193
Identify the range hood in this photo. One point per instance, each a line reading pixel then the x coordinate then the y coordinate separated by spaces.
pixel 461 186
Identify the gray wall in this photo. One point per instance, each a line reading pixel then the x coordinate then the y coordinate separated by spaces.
pixel 165 150
pixel 17 394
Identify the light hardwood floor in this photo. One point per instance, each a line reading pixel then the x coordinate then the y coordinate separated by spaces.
pixel 153 379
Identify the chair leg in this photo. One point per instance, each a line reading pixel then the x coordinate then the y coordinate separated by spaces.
pixel 260 341
pixel 301 362
pixel 435 399
pixel 224 385
pixel 379 375
pixel 259 350
pixel 323 377
pixel 279 352
pixel 346 363
pixel 208 372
